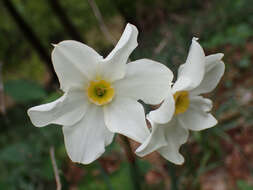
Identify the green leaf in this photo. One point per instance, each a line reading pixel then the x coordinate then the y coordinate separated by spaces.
pixel 242 185
pixel 23 91
pixel 15 153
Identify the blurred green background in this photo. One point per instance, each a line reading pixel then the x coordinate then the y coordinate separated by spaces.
pixel 220 158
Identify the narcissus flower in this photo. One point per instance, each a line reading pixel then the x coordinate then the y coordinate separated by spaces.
pixel 100 95
pixel 184 109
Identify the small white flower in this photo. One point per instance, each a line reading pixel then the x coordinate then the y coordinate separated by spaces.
pixel 100 95
pixel 188 110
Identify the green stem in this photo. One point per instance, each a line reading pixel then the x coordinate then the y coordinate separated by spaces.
pixel 105 176
pixel 173 176
pixel 134 170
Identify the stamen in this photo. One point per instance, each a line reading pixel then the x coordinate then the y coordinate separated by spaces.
pixel 100 92
pixel 182 102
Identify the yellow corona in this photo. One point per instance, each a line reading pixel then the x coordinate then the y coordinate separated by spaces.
pixel 100 92
pixel 182 101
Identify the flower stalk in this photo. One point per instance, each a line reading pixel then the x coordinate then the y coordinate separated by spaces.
pixel 134 170
pixel 173 176
pixel 105 176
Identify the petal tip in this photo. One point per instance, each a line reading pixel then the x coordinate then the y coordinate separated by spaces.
pixel 133 27
pixel 138 151
pixel 215 122
pixel 221 55
pixel 32 119
pixel 29 111
pixel 195 39
pixel 180 162
pixel 54 45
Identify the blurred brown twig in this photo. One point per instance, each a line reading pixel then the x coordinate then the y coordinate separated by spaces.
pixel 158 49
pixel 101 22
pixel 56 172
pixel 2 103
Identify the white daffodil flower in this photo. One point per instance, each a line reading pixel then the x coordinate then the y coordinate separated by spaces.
pixel 100 95
pixel 188 110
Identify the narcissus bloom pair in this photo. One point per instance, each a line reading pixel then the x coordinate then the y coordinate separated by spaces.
pixel 100 95
pixel 184 109
pixel 100 99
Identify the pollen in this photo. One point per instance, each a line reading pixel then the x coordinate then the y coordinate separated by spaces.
pixel 100 92
pixel 182 102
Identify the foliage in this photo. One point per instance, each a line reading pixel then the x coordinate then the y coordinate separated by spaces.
pixel 242 185
pixel 24 91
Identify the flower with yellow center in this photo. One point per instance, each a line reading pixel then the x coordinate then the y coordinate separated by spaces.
pixel 184 109
pixel 101 95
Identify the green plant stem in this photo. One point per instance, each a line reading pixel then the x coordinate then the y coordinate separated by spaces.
pixel 105 176
pixel 173 177
pixel 134 171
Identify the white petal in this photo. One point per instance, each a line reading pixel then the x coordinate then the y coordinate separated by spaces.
pixel 210 59
pixel 171 133
pixel 146 80
pixel 194 68
pixel 214 71
pixel 201 103
pixel 155 141
pixel 172 154
pixel 176 136
pixel 196 118
pixel 182 84
pixel 126 116
pixel 74 63
pixel 86 140
pixel 165 112
pixel 114 65
pixel 67 110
